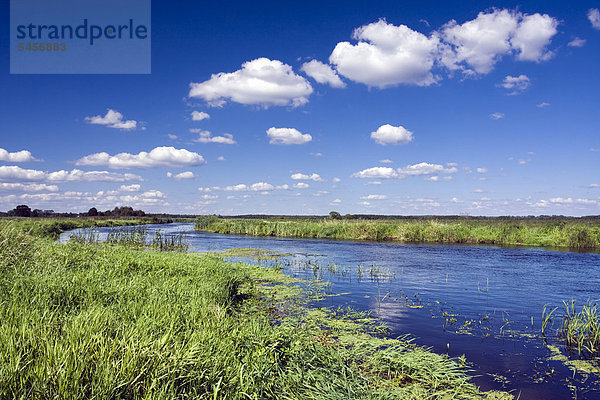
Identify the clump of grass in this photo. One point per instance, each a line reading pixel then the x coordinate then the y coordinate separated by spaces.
pixel 132 237
pixel 581 328
pixel 173 242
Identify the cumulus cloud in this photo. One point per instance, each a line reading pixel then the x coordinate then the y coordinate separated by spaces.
pixel 387 55
pixel 377 172
pixel 28 187
pixel 130 188
pixel 322 73
pixel 112 119
pixel 594 17
pixel 482 170
pixel 14 173
pixel 335 202
pixel 542 105
pixel 426 169
pixel 301 185
pixel 312 177
pixel 386 161
pixel 516 84
pixel 388 134
pixel 287 136
pixel 181 175
pixel 409 170
pixel 577 42
pixel 220 158
pixel 262 81
pixel 496 116
pixel 374 197
pixel 477 45
pixel 336 180
pixel 157 157
pixel 255 187
pixel 199 115
pixel 17 156
pixel 206 137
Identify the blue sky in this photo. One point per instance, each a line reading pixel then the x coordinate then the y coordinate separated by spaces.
pixel 480 108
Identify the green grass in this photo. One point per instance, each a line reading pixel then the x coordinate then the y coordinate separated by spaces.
pixel 106 321
pixel 580 329
pixel 577 234
pixel 53 227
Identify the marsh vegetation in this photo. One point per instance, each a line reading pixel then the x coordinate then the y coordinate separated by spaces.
pixel 113 321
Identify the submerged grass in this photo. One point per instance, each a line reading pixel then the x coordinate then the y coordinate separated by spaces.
pixel 558 233
pixel 99 321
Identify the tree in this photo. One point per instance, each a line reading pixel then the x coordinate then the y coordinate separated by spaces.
pixel 22 211
pixel 92 212
pixel 335 215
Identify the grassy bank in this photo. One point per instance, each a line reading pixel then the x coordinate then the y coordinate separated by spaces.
pixel 105 321
pixel 576 234
pixel 53 227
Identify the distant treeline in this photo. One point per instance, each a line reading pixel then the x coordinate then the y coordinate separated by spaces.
pixel 124 211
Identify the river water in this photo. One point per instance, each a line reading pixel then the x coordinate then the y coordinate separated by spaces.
pixel 477 301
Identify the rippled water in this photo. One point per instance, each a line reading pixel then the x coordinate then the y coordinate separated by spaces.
pixel 473 300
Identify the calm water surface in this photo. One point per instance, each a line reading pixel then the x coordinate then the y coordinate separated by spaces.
pixel 473 300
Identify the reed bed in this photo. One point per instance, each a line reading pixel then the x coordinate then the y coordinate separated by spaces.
pixel 100 321
pixel 551 233
pixel 136 237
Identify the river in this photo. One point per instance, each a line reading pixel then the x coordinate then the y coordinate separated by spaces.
pixel 477 301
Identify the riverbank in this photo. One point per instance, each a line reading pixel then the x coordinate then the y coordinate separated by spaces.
pixel 82 321
pixel 573 233
pixel 53 227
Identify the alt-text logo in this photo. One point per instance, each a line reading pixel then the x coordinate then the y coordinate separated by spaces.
pixel 80 37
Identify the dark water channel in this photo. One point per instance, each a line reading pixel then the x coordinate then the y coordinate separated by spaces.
pixel 473 300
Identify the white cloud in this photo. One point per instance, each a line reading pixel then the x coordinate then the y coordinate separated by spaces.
pixel 256 187
pixel 112 119
pixel 482 170
pixel 388 134
pixel 426 169
pixel 542 105
pixel 335 202
pixel 374 183
pixel 374 197
pixel 436 178
pixel 594 185
pixel 28 187
pixel 321 193
pixel 516 84
pixel 577 42
pixel 336 180
pixel 386 161
pixel 287 136
pixel 220 158
pixel 312 177
pixel 496 116
pixel 205 137
pixel 377 173
pixel 561 200
pixel 171 136
pixel 14 173
pixel 17 156
pixel 455 200
pixel 130 188
pixel 322 73
pixel 594 17
pixel 181 175
pixel 387 55
pixel 301 185
pixel 157 157
pixel 365 203
pixel 199 115
pixel 262 81
pixel 482 42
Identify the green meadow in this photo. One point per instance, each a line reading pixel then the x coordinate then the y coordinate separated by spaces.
pixel 112 321
pixel 553 232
